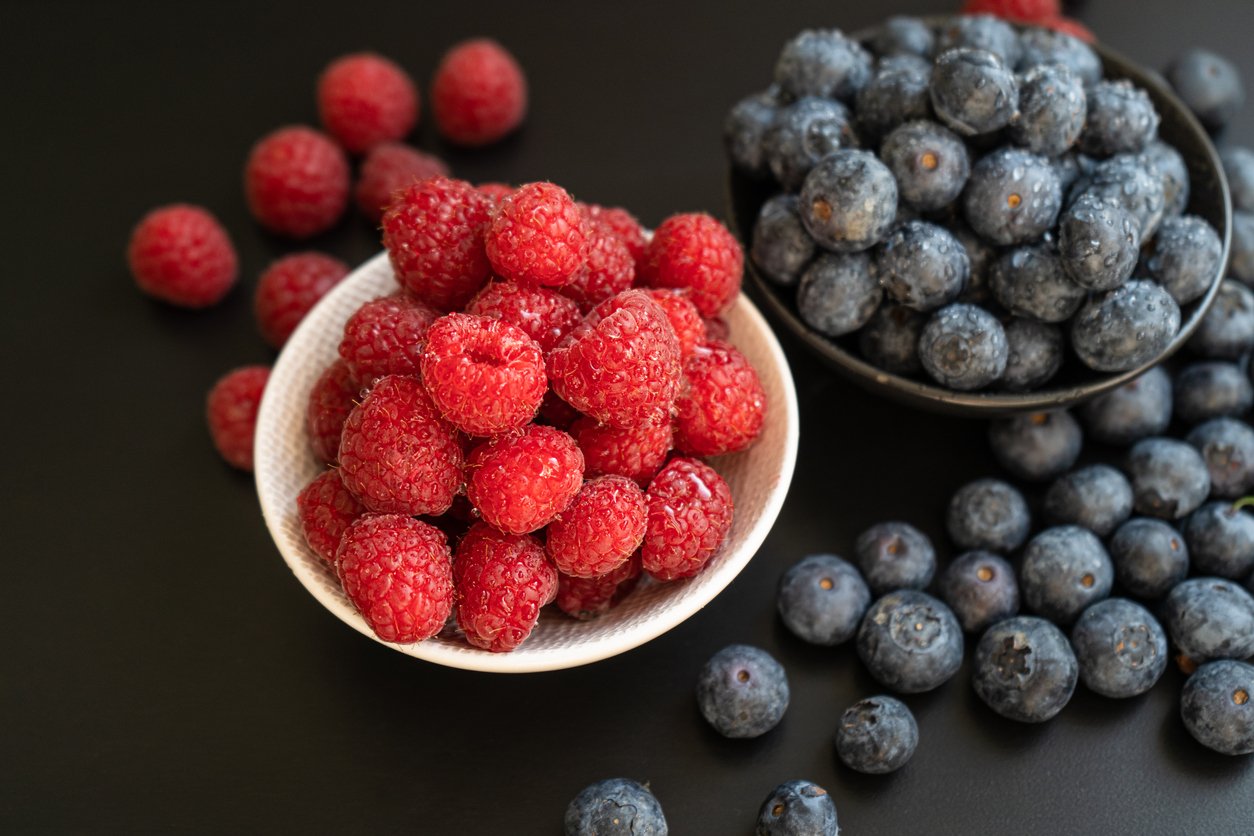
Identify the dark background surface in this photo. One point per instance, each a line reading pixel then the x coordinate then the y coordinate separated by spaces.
pixel 162 669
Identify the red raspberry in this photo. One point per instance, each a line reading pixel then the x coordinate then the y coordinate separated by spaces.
pixel 496 191
pixel 721 404
pixel 398 573
pixel 684 318
pixel 697 252
pixel 608 270
pixel 397 455
pixel 296 182
pixel 289 288
pixel 433 232
pixel 231 410
pixel 622 364
pixel 332 397
pixel 1019 10
pixel 1068 26
pixel 365 99
pixel 588 598
pixel 520 480
pixel 537 236
pixel 637 453
pixel 556 412
pixel 624 224
pixel 479 93
pixel 690 513
pixel 385 336
pixel 600 529
pixel 542 314
pixel 502 581
pixel 180 254
pixel 326 509
pixel 717 329
pixel 484 375
pixel 389 168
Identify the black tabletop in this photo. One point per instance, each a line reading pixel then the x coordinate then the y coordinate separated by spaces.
pixel 163 671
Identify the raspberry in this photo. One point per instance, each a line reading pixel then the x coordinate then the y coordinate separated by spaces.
pixel 365 99
pixel 289 288
pixel 385 336
pixel 296 182
pixel 542 314
pixel 537 236
pixel 521 480
pixel 600 529
pixel 484 375
pixel 683 316
pixel 622 364
pixel 721 404
pixel 697 252
pixel 433 232
pixel 332 397
pixel 637 453
pixel 389 168
pixel 690 513
pixel 326 509
pixel 398 573
pixel 588 598
pixel 608 269
pixel 1068 26
pixel 180 254
pixel 502 582
pixel 624 224
pixel 1019 10
pixel 397 455
pixel 231 410
pixel 496 192
pixel 479 93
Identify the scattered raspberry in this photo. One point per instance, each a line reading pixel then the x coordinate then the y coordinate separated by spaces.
pixel 365 99
pixel 537 236
pixel 496 192
pixel 502 581
pixel 624 224
pixel 721 403
pixel 180 254
pixel 608 269
pixel 385 336
pixel 637 453
pixel 622 364
pixel 1068 26
pixel 231 410
pixel 520 480
pixel 600 529
pixel 697 252
pixel 326 509
pixel 542 314
pixel 484 375
pixel 690 513
pixel 296 182
pixel 289 288
pixel 588 598
pixel 479 93
pixel 397 455
pixel 398 573
pixel 683 316
pixel 1019 10
pixel 717 329
pixel 556 412
pixel 433 232
pixel 389 168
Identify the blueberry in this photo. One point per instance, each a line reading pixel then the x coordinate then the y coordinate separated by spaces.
pixel 1241 261
pixel 981 256
pixel 1051 110
pixel 838 293
pixel 898 92
pixel 744 129
pixel 822 599
pixel 615 807
pixel 1169 478
pixel 973 92
pixel 1209 85
pixel 1120 647
pixel 1036 446
pixel 1239 168
pixel 1098 242
pixel 1217 709
pixel 1025 669
pixel 1030 281
pixel 890 339
pixel 742 691
pixel 1185 257
pixel 1137 409
pixel 848 201
pixel 1210 618
pixel 1047 46
pixel 1150 557
pixel 981 589
pixel 1221 540
pixel 910 642
pixel 1126 327
pixel 822 62
pixel 1131 180
pixel 930 162
pixel 1227 447
pixel 797 808
pixel 1064 569
pixel 1096 497
pixel 988 514
pixel 803 133
pixel 781 246
pixel 1175 176
pixel 1211 389
pixel 981 32
pixel 1034 354
pixel 1227 330
pixel 963 347
pixel 902 35
pixel 876 735
pixel 1121 119
pixel 1012 197
pixel 895 555
pixel 920 265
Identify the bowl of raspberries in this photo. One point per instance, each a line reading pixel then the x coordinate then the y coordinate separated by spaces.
pixel 977 217
pixel 529 434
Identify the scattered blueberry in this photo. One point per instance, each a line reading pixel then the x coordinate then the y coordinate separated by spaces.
pixel 797 808
pixel 742 691
pixel 1210 618
pixel 988 514
pixel 822 598
pixel 1175 176
pixel 895 555
pixel 1124 328
pixel 984 32
pixel 1221 540
pixel 822 62
pixel 1138 409
pixel 615 807
pixel 1034 353
pixel 1131 180
pixel 1209 85
pixel 902 35
pixel 1150 557
pixel 1064 569
pixel 920 265
pixel 980 588
pixel 803 133
pixel 930 162
pixel 973 91
pixel 1036 446
pixel 1025 669
pixel 781 246
pixel 1120 647
pixel 876 735
pixel 1012 196
pixel 1169 478
pixel 898 92
pixel 1051 110
pixel 1030 281
pixel 838 293
pixel 1121 119
pixel 910 642
pixel 1047 46
pixel 1239 168
pixel 963 347
pixel 1098 242
pixel 744 129
pixel 890 339
pixel 1211 389
pixel 1227 447
pixel 1096 497
pixel 1217 708
pixel 848 201
pixel 1226 332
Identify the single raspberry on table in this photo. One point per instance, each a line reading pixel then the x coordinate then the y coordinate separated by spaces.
pixel 180 254
pixel 600 529
pixel 296 182
pixel 433 232
pixel 684 318
pixel 537 236
pixel 697 252
pixel 637 453
pixel 543 315
pixel 365 99
pixel 231 410
pixel 589 598
pixel 389 168
pixel 690 513
pixel 520 480
pixel 397 455
pixel 326 509
pixel 397 572
pixel 496 192
pixel 624 224
pixel 1068 26
pixel 502 582
pixel 385 336
pixel 1027 11
pixel 608 269
pixel 721 405
pixel 289 288
pixel 332 398
pixel 484 375
pixel 479 93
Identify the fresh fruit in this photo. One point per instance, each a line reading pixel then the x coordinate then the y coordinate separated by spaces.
pixel 180 254
pixel 742 691
pixel 479 93
pixel 876 735
pixel 296 182
pixel 821 599
pixel 910 642
pixel 365 99
pixel 231 412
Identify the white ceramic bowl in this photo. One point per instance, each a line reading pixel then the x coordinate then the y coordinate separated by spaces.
pixel 758 477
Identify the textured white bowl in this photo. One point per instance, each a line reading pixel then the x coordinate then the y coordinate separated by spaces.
pixel 758 477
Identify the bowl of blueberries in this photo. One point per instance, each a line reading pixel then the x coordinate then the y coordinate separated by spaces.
pixel 975 217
